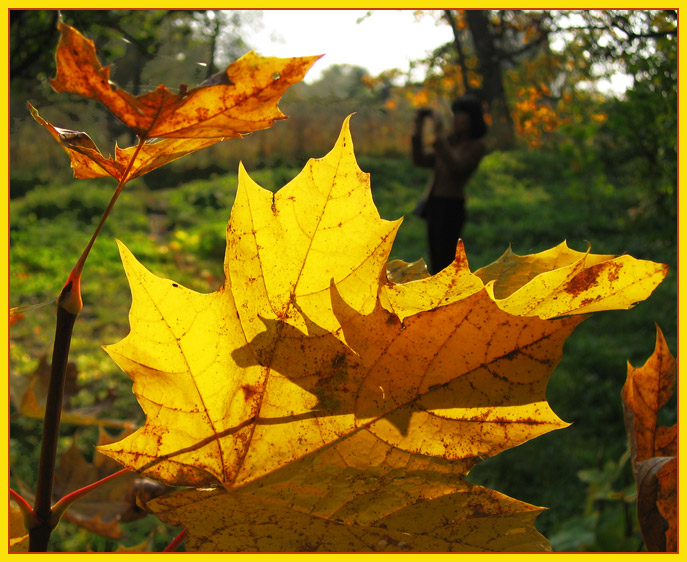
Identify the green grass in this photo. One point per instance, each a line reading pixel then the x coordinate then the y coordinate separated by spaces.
pixel 529 201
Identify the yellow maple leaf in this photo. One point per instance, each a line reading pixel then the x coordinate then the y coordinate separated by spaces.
pixel 310 354
pixel 562 281
pixel 334 501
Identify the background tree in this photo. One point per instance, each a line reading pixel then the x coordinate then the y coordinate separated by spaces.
pixel 525 64
pixel 486 45
pixel 641 130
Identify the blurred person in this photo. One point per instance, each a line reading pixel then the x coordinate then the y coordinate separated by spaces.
pixel 454 157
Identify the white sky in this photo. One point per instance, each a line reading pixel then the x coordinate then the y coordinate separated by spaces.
pixel 387 39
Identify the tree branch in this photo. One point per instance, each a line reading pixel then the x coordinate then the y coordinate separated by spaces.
pixel 459 49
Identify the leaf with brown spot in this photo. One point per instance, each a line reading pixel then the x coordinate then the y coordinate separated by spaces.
pixel 653 447
pixel 562 281
pixel 311 388
pixel 512 271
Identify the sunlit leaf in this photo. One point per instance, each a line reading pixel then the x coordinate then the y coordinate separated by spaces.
pixel 562 281
pixel 310 369
pixel 323 504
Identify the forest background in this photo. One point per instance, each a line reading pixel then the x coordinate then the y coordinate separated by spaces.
pixel 566 162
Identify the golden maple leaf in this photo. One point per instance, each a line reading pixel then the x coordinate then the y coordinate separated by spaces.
pixel 239 101
pixel 309 370
pixel 335 500
pixel 563 281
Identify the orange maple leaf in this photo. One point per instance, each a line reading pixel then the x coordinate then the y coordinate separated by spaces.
pixel 653 448
pixel 239 101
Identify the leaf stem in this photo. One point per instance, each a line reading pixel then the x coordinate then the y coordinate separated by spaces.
pixel 76 271
pixel 65 502
pixel 171 547
pixel 27 511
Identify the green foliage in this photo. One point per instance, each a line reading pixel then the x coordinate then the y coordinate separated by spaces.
pixel 609 520
pixel 632 137
pixel 641 133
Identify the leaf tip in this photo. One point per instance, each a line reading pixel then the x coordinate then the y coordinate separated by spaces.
pixel 125 254
pixel 345 139
pixel 347 120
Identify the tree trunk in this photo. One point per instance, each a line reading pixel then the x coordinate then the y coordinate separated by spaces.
pixel 493 92
pixel 459 50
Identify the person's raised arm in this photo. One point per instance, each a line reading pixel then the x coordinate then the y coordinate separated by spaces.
pixel 420 156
